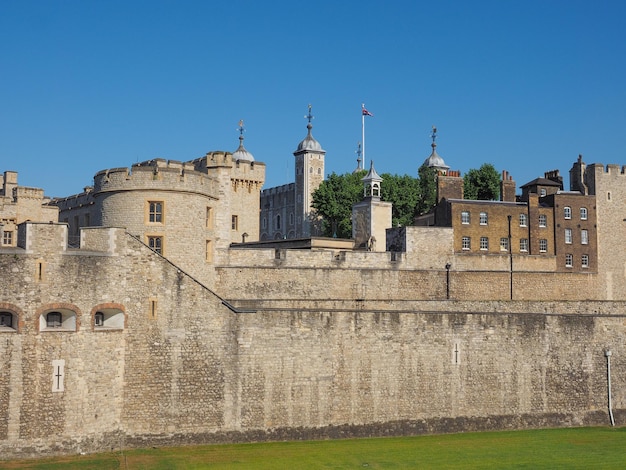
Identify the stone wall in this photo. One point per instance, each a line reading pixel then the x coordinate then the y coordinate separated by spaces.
pixel 304 360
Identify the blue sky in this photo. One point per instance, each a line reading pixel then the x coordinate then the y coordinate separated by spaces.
pixel 525 85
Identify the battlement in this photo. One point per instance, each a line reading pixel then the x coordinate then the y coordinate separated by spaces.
pixel 285 188
pixel 610 169
pixel 156 174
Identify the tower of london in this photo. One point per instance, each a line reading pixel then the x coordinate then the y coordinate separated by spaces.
pixel 179 302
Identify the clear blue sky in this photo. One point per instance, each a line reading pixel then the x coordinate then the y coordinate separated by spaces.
pixel 87 85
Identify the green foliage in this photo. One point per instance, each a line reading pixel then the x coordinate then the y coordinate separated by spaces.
pixel 482 184
pixel 334 199
pixel 404 193
pixel 428 189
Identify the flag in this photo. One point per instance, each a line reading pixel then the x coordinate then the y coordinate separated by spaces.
pixel 366 112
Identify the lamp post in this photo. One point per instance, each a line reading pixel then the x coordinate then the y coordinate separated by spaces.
pixel 607 354
pixel 448 266
pixel 510 259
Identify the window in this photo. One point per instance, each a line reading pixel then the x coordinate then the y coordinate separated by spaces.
pixel 543 192
pixel 483 218
pixel 568 235
pixel 584 237
pixel 264 223
pixel 209 251
pixel 6 320
pixel 291 218
pixel 569 260
pixel 523 220
pixel 484 243
pixel 466 243
pixel 109 318
pixel 234 222
pixel 523 244
pixel 543 220
pixel 155 212
pixel 156 243
pixel 465 217
pixel 584 261
pixel 54 320
pixel 583 213
pixel 278 222
pixel 567 212
pixel 209 217
pixel 504 244
pixel 7 237
pixel 543 245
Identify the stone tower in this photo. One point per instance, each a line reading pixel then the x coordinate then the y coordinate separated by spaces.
pixel 309 175
pixel 371 217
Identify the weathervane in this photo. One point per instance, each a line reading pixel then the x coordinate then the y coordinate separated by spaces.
pixel 358 157
pixel 309 116
pixel 241 128
pixel 433 134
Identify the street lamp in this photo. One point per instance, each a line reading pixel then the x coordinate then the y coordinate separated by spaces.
pixel 510 259
pixel 448 266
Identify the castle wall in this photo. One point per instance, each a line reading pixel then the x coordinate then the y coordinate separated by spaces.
pixel 304 362
pixel 608 184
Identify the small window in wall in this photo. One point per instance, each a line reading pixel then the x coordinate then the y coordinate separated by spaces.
pixel 465 217
pixel 156 243
pixel 278 222
pixel 543 192
pixel 567 212
pixel 584 237
pixel 484 243
pixel 466 243
pixel 568 235
pixel 569 260
pixel 209 251
pixel 543 221
pixel 291 218
pixel 234 222
pixel 264 223
pixel 8 321
pixel 483 218
pixel 209 217
pixel 523 244
pixel 543 245
pixel 57 320
pixel 585 261
pixel 7 237
pixel 583 213
pixel 523 220
pixel 108 319
pixel 504 244
pixel 155 212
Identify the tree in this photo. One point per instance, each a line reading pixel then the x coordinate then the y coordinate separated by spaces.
pixel 428 189
pixel 482 184
pixel 333 200
pixel 404 193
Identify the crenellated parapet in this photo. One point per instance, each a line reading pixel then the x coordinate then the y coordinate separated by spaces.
pixel 155 174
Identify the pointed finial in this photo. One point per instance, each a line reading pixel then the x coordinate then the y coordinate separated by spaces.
pixel 433 135
pixel 241 131
pixel 359 165
pixel 310 117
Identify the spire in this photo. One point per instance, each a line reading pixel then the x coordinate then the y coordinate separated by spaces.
pixel 241 153
pixel 359 165
pixel 434 160
pixel 309 143
pixel 371 183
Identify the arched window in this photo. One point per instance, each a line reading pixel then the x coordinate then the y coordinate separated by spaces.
pixel 99 319
pixel 6 320
pixel 54 320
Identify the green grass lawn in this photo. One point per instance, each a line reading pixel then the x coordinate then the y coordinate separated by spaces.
pixel 584 448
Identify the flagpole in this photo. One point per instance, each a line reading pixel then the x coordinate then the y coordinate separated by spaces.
pixel 363 134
